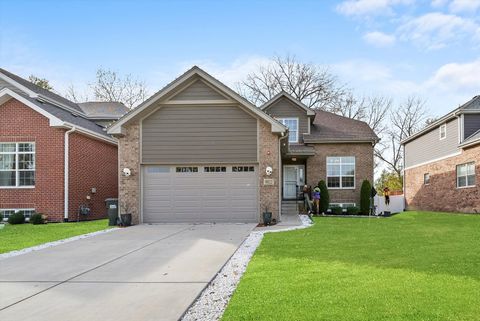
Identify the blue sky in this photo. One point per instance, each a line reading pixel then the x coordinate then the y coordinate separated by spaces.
pixel 384 47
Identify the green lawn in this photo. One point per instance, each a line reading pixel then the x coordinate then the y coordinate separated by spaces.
pixel 16 237
pixel 413 266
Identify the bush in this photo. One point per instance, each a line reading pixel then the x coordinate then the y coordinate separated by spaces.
pixel 337 210
pixel 365 192
pixel 37 218
pixel 352 210
pixel 1 217
pixel 324 197
pixel 16 218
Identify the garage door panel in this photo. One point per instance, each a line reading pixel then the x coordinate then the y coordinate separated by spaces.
pixel 171 196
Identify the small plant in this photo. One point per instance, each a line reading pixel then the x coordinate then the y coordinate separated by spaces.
pixel 16 218
pixel 352 210
pixel 37 218
pixel 324 197
pixel 337 210
pixel 365 192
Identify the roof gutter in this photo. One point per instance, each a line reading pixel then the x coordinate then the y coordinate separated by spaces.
pixel 65 172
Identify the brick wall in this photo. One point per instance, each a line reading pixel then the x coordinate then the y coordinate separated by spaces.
pixel 442 193
pixel 20 123
pixel 93 164
pixel 269 155
pixel 129 155
pixel 317 168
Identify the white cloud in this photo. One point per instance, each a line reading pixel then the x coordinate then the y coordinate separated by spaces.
pixel 464 5
pixel 436 30
pixel 379 39
pixel 438 3
pixel 369 7
pixel 457 77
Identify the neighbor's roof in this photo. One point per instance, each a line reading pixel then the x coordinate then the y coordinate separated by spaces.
pixel 328 127
pixel 471 106
pixel 58 107
pixel 103 110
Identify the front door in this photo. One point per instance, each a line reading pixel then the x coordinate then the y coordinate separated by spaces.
pixel 293 177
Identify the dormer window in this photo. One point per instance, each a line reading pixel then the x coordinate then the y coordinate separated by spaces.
pixel 443 131
pixel 292 125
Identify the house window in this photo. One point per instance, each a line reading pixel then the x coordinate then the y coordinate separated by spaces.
pixel 443 131
pixel 237 169
pixel 17 164
pixel 292 125
pixel 426 178
pixel 466 175
pixel 341 172
pixel 27 212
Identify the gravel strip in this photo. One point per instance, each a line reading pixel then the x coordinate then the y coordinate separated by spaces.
pixel 213 301
pixel 54 243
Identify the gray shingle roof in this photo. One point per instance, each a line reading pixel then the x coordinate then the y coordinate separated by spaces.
pixel 104 110
pixel 329 127
pixel 300 149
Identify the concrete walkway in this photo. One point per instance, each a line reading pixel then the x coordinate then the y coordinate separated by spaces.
pixel 147 272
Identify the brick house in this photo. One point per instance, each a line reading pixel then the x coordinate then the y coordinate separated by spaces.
pixel 442 163
pixel 196 151
pixel 55 155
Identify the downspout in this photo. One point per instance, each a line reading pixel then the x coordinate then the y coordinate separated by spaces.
pixel 65 173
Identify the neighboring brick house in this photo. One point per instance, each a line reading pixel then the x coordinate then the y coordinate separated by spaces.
pixel 196 151
pixel 41 135
pixel 442 163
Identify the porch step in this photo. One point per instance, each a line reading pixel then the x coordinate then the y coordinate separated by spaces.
pixel 289 208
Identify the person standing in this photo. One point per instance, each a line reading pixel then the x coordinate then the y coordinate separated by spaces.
pixel 386 193
pixel 316 198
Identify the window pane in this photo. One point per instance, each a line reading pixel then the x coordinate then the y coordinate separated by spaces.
pixel 333 182
pixel 461 170
pixel 7 147
pixel 26 161
pixel 348 160
pixel 462 181
pixel 292 137
pixel 471 169
pixel 333 160
pixel 7 178
pixel 347 181
pixel 333 170
pixel 27 178
pixel 471 180
pixel 7 161
pixel 26 147
pixel 348 170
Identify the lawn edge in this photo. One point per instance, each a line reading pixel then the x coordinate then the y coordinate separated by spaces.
pixel 212 302
pixel 54 243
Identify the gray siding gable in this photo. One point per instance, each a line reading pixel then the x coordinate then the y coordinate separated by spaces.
pixel 199 134
pixel 429 147
pixel 198 90
pixel 284 108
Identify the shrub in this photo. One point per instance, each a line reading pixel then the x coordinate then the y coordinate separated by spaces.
pixel 1 217
pixel 37 218
pixel 337 210
pixel 16 218
pixel 365 192
pixel 352 210
pixel 324 197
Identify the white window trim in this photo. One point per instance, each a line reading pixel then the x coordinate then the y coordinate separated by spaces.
pixel 440 131
pixel 16 210
pixel 17 170
pixel 354 174
pixel 466 176
pixel 282 119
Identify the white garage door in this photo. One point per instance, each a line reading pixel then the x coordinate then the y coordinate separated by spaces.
pixel 200 194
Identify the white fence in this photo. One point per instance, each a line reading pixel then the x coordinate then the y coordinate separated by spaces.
pixel 397 204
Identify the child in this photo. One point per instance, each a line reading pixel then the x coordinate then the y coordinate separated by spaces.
pixel 316 198
pixel 386 193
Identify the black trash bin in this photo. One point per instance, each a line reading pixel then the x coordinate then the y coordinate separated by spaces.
pixel 112 206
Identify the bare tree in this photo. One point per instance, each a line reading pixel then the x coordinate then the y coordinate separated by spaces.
pixel 41 82
pixel 313 85
pixel 74 95
pixel 405 121
pixel 110 86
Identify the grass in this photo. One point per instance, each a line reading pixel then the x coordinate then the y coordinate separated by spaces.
pixel 16 237
pixel 413 266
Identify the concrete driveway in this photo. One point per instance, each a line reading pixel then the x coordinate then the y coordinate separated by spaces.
pixel 146 272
